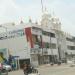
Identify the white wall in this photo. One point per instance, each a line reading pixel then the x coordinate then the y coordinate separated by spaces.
pixel 47 39
pixel 4 45
pixel 68 43
pixel 17 46
pixel 71 51
pixel 53 51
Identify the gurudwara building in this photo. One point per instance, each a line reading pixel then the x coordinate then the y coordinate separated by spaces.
pixel 37 44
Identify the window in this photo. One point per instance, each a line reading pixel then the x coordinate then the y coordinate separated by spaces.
pixel 12 34
pixel 53 46
pixel 35 39
pixel 48 34
pixel 47 45
pixel 71 47
pixel 69 39
pixel 36 28
pixel 52 34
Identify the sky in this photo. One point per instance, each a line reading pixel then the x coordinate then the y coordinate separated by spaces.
pixel 16 10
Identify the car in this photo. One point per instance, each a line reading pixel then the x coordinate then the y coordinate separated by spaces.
pixel 7 67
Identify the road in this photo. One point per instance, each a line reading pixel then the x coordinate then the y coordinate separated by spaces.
pixel 50 70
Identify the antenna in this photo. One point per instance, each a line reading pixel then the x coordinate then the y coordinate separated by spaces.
pixel 42 5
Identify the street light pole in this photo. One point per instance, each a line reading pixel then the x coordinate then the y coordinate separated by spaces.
pixel 42 5
pixel 52 57
pixel 42 32
pixel 42 46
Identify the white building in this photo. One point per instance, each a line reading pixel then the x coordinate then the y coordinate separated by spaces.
pixel 70 44
pixel 37 44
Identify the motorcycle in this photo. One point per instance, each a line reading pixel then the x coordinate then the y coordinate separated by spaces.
pixel 34 72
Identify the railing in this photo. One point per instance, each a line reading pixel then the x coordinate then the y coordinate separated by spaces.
pixel 35 51
pixel 38 51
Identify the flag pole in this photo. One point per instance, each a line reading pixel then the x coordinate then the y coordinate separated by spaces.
pixel 42 5
pixel 42 34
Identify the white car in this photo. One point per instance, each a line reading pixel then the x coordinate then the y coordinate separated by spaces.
pixel 7 67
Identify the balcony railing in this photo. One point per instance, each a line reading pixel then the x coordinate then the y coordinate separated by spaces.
pixel 39 51
pixel 45 51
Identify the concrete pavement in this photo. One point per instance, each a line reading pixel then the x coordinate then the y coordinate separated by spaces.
pixel 51 70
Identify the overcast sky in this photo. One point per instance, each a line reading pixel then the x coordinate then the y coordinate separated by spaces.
pixel 15 10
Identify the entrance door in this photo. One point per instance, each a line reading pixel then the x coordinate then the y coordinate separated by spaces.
pixel 22 61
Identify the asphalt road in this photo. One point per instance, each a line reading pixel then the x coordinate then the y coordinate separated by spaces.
pixel 50 70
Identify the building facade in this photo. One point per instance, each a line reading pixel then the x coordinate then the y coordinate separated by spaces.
pixel 37 44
